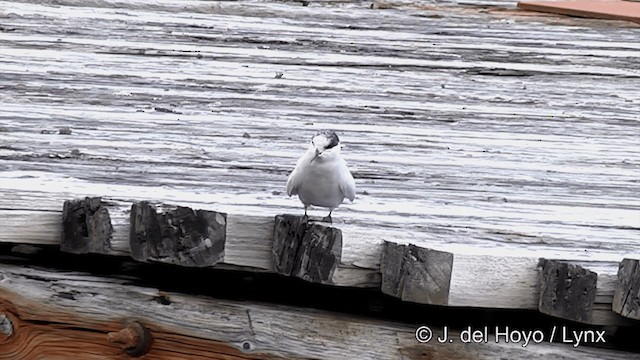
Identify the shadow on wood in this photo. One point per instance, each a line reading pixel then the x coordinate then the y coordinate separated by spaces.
pixel 567 291
pixel 416 274
pixel 626 299
pixel 304 249
pixel 181 236
pixel 86 226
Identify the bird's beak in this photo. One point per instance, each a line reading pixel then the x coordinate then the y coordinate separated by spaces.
pixel 317 154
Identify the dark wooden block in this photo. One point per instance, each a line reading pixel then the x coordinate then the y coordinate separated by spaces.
pixel 416 274
pixel 181 236
pixel 626 298
pixel 567 291
pixel 86 226
pixel 306 250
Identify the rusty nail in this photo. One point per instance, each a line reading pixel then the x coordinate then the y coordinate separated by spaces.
pixel 6 327
pixel 134 337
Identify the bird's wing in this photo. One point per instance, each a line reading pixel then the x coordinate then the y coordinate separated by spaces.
pixel 347 183
pixel 294 179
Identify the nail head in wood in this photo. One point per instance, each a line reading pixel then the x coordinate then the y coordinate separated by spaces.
pixel 135 338
pixel 626 298
pixel 86 226
pixel 179 236
pixel 310 251
pixel 567 291
pixel 416 274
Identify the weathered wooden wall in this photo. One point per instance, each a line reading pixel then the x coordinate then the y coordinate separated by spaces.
pixel 485 132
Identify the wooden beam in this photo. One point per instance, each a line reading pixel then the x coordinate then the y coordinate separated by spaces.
pixel 599 9
pixel 506 282
pixel 180 236
pixel 567 291
pixel 416 274
pixel 301 248
pixel 86 226
pixel 626 300
pixel 46 309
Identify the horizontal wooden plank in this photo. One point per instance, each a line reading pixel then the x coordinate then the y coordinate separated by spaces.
pixel 47 308
pixel 599 9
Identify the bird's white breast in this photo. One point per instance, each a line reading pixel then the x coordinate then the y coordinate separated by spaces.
pixel 320 182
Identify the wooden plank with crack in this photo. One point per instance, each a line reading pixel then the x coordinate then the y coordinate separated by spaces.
pixel 41 309
pixel 453 121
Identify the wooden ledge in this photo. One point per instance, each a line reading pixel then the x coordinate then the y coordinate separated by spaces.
pixel 313 251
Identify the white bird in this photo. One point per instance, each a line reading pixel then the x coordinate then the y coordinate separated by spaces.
pixel 321 176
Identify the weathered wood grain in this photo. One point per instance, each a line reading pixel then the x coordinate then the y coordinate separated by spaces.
pixel 305 249
pixel 474 131
pixel 86 227
pixel 181 236
pixel 567 291
pixel 416 274
pixel 626 299
pixel 49 308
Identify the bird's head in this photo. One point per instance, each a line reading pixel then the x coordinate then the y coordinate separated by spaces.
pixel 325 144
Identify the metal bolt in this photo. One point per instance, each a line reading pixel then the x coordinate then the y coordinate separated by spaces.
pixel 135 338
pixel 6 327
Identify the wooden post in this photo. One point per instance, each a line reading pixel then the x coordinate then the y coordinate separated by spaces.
pixel 86 226
pixel 416 274
pixel 567 291
pixel 181 236
pixel 310 251
pixel 626 298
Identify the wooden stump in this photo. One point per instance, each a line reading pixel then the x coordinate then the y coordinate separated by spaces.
pixel 86 226
pixel 181 236
pixel 567 291
pixel 416 274
pixel 306 250
pixel 626 299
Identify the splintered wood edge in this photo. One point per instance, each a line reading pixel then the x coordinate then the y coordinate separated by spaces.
pixel 416 274
pixel 626 299
pixel 567 290
pixel 86 226
pixel 148 235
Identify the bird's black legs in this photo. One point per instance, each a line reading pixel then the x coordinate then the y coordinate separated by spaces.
pixel 305 211
pixel 328 217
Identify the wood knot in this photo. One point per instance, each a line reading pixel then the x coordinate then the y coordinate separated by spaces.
pixel 134 338
pixel 6 327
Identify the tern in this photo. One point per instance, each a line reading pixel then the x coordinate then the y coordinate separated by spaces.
pixel 321 176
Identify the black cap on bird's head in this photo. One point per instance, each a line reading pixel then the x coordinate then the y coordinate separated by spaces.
pixel 332 139
pixel 324 140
